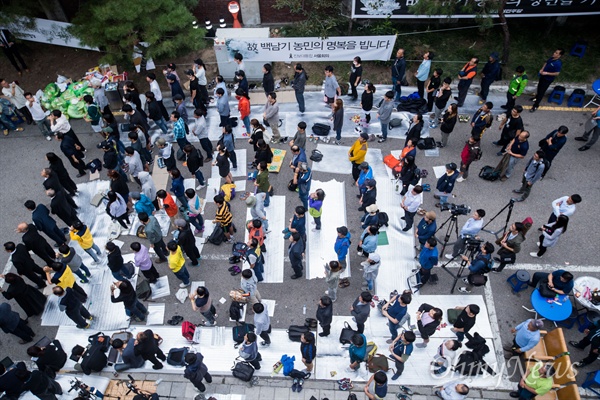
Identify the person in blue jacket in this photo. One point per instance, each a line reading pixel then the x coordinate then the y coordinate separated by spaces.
pixel 142 203
pixel 428 258
pixel 341 246
pixel 426 227
pixel 177 187
pixel 445 184
pixel 368 241
pixel 491 72
pixel 366 172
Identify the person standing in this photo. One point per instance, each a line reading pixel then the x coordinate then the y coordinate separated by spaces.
pixel 333 270
pixel 357 154
pixel 370 271
pixel 550 234
pixel 410 204
pixel 187 241
pixel 267 81
pixel 423 73
pixel 385 115
pixel 433 87
pixel 42 220
pixel 426 228
pixel 154 236
pixel 533 173
pixel 155 112
pixel 428 258
pixel 116 264
pixel 244 109
pixel 331 88
pixel 471 152
pixel 377 386
pixel 549 71
pixel 229 142
pixel 303 178
pixel 30 300
pixel 199 71
pixel 401 349
pixel 337 118
pixel 67 256
pixel 11 322
pixel 445 185
pixel 552 144
pixel 16 95
pixel 201 132
pixel 308 349
pixel 133 307
pixel 202 302
pixel 591 136
pixel 361 309
pixel 366 101
pixel 40 384
pixel 72 306
pixel 465 320
pixel 428 319
pixel 511 127
pixel 249 284
pixel 448 122
pixel 155 89
pixel 516 150
pixel 73 152
pixel 396 312
pixel 117 209
pixel 565 205
pixel 57 166
pixel 11 50
pixel 368 241
pixel 196 371
pixel 465 78
pixel 299 138
pixel 262 323
pixel 298 84
pixel 177 264
pixel 35 242
pixel 592 339
pixel 50 358
pixel 271 116
pixel 315 207
pixel 440 98
pixel 341 246
pixel 517 84
pixel 24 264
pixel 491 72
pixel 296 250
pixel 356 71
pixel 398 75
pixel 224 217
pixel 482 119
pixel 195 88
pixel 82 235
pixel 144 262
pixel 325 315
pixel 469 230
pixel 94 115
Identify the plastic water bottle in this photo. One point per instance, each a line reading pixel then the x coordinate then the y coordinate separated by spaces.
pixel 304 309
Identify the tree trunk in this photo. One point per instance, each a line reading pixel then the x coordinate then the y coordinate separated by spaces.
pixel 505 32
pixel 53 10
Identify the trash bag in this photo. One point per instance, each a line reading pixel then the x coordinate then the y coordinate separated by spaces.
pixel 79 87
pixel 77 110
pixel 51 90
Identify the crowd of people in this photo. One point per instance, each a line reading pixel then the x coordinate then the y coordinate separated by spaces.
pixel 130 165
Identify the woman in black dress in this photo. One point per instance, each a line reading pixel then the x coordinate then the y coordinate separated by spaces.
pixel 264 153
pixel 222 162
pixel 31 300
pixel 59 169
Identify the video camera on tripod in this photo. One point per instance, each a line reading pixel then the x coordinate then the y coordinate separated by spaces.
pixel 472 244
pixel 143 394
pixel 84 391
pixel 460 209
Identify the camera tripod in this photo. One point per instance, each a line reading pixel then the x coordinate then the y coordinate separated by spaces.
pixel 510 206
pixel 452 226
pixel 86 392
pixel 470 251
pixel 142 393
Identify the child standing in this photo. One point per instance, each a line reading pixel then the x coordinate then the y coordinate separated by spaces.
pixel 315 204
pixel 337 116
pixel 366 101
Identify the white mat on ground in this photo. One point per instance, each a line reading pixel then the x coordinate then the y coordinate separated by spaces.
pixel 161 287
pixel 335 160
pixel 241 165
pixel 439 171
pixel 213 187
pixel 320 243
pixel 276 246
pixel 156 314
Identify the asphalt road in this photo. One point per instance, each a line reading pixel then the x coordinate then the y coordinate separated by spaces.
pixel 22 158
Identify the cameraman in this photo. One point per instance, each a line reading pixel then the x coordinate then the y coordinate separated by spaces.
pixel 478 266
pixel 469 230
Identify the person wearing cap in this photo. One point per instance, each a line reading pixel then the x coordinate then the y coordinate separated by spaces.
pixel 516 86
pixel 165 150
pixel 445 184
pixel 176 88
pixel 428 258
pixel 385 115
pixel 357 154
pixel 527 336
pixel 370 271
pixel 199 71
pixel 371 216
pixel 341 246
pixel 426 227
pixel 303 178
pixel 410 204
pixel 271 115
pixel 365 172
pixel 491 72
pixel 187 241
pixel 533 173
pixel 256 204
pixel 299 138
pixel 369 196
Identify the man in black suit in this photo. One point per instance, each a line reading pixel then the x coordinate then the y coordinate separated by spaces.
pixel 69 149
pixel 9 46
pixel 36 242
pixel 146 345
pixel 51 181
pixel 61 207
pixel 44 222
pixel 72 306
pixel 296 252
pixel 9 383
pixel 24 264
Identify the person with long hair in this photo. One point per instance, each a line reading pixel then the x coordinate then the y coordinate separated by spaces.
pixel 57 166
pixel 366 101
pixel 118 184
pixel 222 162
pixel 407 173
pixel 244 108
pixel 550 234
pixel 130 88
pixel 200 73
pixel 257 134
pixel 117 209
pixel 337 117
pixel 448 121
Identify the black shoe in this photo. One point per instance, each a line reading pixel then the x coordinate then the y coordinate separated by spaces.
pixel 322 334
pixel 514 395
pixel 584 148
pixel 296 276
pixel 504 107
pixel 403 218
pixel 574 344
pixel 496 270
pixel 580 139
pixel 358 196
pixel 80 175
pixel 533 109
pixel 406 229
pixel 455 98
pixel 518 191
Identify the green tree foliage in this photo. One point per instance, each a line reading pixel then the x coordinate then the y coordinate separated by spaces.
pixel 322 18
pixel 115 26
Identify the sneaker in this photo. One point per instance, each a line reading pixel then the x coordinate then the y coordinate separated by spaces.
pixel 389 341
pixel 463 290
pixel 574 343
pixel 337 142
pixel 534 254
pixel 19 130
pixel 382 140
pixel 537 244
pixel 265 344
pixel 230 240
pixel 350 369
pixel 465 280
pixel 327 292
pixel 449 256
pixel 360 253
pixel 423 345
pixel 48 138
pixel 183 285
pixel 461 179
pixel 295 385
pixel 299 387
pixel 200 186
pixel 234 169
pixel 578 364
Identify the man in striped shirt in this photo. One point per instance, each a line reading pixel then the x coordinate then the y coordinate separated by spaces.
pixel 224 217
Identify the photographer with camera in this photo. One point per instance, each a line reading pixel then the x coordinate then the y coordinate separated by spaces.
pixel 479 265
pixel 469 230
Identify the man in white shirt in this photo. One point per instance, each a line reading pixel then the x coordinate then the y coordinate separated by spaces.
pixel 262 322
pixel 60 124
pixel 16 95
pixel 453 390
pixel 410 204
pixel 158 97
pixel 470 229
pixel 565 205
pixel 38 115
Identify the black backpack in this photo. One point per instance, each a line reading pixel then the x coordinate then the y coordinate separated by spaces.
pixel 316 155
pixel 427 143
pixel 292 186
pixel 296 331
pixel 217 236
pixel 243 371
pixel 176 357
pixel 489 173
pixel 235 310
pixel 416 176
pixel 320 129
pixel 239 331
pixel 382 219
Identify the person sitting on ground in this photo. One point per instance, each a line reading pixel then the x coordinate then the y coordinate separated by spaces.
pixel 444 358
pixel 130 359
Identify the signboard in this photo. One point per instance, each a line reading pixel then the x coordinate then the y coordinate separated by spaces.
pixel 312 49
pixel 51 32
pixel 400 9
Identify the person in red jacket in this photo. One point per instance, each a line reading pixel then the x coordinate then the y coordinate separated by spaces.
pixel 244 107
pixel 469 153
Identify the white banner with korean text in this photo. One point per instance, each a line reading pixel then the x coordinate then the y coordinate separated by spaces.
pixel 342 48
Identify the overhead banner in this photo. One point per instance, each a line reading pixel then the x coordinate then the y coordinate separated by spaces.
pixel 400 9
pixel 47 31
pixel 342 48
